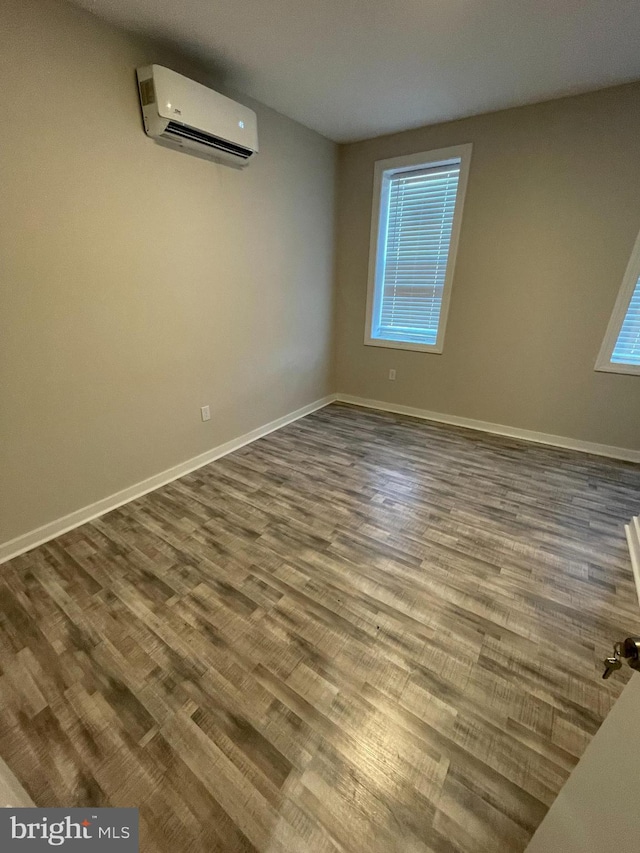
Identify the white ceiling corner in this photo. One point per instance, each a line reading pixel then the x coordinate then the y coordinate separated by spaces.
pixel 352 69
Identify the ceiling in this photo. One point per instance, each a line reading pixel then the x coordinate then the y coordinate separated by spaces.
pixel 352 69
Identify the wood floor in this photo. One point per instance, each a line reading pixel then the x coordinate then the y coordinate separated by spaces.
pixel 362 633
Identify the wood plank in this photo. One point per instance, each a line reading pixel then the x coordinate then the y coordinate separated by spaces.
pixel 362 632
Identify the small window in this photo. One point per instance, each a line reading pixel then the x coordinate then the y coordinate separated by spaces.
pixel 620 351
pixel 415 226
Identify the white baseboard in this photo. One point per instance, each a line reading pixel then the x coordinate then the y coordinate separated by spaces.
pixel 17 546
pixel 633 538
pixel 627 454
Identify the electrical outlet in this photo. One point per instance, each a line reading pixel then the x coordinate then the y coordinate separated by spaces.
pixel 206 414
pixel 392 373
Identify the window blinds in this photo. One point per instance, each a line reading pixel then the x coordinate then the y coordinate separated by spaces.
pixel 627 348
pixel 420 209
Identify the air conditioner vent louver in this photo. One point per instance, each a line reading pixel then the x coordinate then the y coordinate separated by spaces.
pixel 174 129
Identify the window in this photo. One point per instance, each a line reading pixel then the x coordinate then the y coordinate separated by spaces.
pixel 415 225
pixel 620 351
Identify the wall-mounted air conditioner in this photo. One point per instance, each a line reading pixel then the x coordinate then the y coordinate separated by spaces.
pixel 188 115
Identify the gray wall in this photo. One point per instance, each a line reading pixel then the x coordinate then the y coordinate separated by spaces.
pixel 138 283
pixel 551 215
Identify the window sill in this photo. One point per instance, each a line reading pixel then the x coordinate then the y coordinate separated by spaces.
pixel 610 367
pixel 387 344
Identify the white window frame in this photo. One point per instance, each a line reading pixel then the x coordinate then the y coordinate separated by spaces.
pixel 407 163
pixel 620 309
